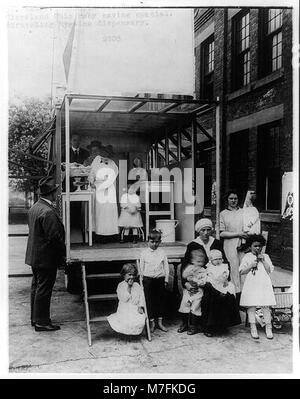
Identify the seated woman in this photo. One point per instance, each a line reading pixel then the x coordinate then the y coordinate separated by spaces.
pixel 204 239
pixel 218 305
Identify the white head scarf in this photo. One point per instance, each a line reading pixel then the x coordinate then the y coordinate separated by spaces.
pixel 203 223
pixel 248 202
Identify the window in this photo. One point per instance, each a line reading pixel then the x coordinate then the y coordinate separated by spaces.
pixel 271 40
pixel 241 50
pixel 207 68
pixel 268 167
pixel 238 162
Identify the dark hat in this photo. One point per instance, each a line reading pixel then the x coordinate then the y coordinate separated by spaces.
pixel 95 143
pixel 47 185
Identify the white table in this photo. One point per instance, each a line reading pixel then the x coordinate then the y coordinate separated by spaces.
pixel 85 196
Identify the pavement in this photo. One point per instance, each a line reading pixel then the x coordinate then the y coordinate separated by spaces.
pixel 67 351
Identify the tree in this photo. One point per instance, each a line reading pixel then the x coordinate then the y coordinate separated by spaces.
pixel 26 121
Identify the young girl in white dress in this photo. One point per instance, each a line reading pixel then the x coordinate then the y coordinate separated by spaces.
pixel 257 290
pixel 130 317
pixel 130 216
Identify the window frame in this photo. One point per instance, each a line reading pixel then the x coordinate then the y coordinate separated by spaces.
pixel 239 161
pixel 265 171
pixel 238 72
pixel 207 78
pixel 266 43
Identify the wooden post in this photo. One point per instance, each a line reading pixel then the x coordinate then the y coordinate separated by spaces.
pixel 156 154
pixel 194 157
pixel 179 145
pixel 218 170
pixel 58 155
pixel 166 148
pixel 86 304
pixel 146 312
pixel 67 134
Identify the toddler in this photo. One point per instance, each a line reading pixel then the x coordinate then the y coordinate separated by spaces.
pixel 257 290
pixel 218 273
pixel 195 275
pixel 130 217
pixel 130 317
pixel 155 271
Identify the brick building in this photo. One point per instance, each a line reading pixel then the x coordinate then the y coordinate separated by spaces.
pixel 244 57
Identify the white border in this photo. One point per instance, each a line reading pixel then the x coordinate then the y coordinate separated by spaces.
pixel 3 176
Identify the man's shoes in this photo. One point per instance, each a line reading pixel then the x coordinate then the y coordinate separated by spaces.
pixel 49 327
pixel 208 334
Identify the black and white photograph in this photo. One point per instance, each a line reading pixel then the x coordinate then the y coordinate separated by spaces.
pixel 150 168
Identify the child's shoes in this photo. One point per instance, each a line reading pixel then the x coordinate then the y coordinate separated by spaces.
pixel 269 332
pixel 152 326
pixel 184 324
pixel 192 329
pixel 182 328
pixel 161 326
pixel 253 331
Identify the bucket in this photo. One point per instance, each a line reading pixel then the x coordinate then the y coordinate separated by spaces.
pixel 167 227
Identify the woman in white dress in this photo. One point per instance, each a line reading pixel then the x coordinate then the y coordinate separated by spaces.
pixel 102 178
pixel 257 290
pixel 251 220
pixel 130 317
pixel 231 230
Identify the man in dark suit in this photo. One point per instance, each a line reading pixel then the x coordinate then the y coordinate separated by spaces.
pixel 45 252
pixel 77 154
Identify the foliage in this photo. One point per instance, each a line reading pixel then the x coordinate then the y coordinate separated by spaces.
pixel 26 121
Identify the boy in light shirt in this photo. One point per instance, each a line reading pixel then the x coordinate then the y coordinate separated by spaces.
pixel 155 272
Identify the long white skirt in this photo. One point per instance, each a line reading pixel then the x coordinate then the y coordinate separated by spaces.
pixel 127 320
pixel 257 289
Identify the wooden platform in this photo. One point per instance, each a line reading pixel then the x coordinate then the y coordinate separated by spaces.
pixel 121 251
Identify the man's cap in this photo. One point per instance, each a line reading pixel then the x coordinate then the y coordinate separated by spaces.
pixel 47 185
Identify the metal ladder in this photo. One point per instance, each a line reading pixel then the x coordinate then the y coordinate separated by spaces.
pixel 101 297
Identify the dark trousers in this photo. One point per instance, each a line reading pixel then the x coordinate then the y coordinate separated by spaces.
pixel 41 290
pixel 155 296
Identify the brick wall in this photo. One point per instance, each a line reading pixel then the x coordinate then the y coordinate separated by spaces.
pixel 260 95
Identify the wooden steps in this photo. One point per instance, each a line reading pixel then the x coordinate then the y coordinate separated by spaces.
pixel 103 276
pixel 102 297
pixel 97 319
